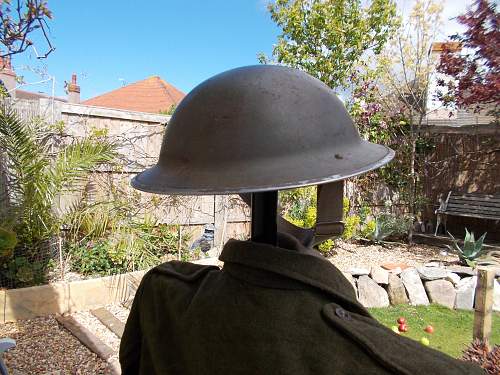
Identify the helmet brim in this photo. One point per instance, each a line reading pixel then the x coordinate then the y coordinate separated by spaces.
pixel 289 171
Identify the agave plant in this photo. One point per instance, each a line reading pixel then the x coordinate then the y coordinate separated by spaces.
pixel 471 250
pixel 383 229
pixel 387 225
pixel 38 166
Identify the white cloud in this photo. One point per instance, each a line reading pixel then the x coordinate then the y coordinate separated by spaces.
pixel 453 8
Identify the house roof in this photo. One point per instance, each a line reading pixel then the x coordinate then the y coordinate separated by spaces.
pixel 29 95
pixel 440 46
pixel 149 95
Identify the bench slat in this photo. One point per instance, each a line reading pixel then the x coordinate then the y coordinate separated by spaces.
pixel 473 208
pixel 474 195
pixel 486 198
pixel 482 203
pixel 484 213
pixel 466 207
pixel 469 214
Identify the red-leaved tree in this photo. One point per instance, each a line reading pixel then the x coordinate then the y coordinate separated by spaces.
pixel 475 72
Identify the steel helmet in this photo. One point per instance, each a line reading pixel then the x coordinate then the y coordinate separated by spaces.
pixel 259 128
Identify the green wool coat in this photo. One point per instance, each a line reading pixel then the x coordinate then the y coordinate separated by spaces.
pixel 270 310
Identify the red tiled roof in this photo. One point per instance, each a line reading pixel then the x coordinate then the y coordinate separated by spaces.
pixel 440 46
pixel 149 95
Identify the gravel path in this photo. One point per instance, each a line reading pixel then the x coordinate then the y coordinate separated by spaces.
pixel 44 347
pixel 354 255
pixel 89 321
pixel 119 311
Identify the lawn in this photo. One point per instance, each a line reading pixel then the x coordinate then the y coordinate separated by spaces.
pixel 452 328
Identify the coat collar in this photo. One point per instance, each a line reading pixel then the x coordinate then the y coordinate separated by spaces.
pixel 299 266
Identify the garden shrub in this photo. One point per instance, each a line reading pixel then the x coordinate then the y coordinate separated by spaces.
pixel 298 206
pixel 326 247
pixel 351 227
pixel 388 225
pixel 41 164
pixel 93 258
pixel 368 228
pixel 129 247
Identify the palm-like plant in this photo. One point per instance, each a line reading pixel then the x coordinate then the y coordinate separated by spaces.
pixel 38 167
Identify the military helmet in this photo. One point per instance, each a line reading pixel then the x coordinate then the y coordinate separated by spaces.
pixel 255 129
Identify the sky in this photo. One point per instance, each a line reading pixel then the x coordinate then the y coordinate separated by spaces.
pixel 111 43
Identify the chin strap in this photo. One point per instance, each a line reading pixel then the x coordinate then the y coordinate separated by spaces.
pixel 328 218
pixel 330 211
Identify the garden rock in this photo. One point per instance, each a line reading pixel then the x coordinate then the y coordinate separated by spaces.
pixel 496 295
pixel 414 287
pixel 465 293
pixel 396 291
pixel 432 264
pixel 432 273
pixel 351 280
pixel 395 271
pixel 393 266
pixel 358 271
pixel 453 278
pixel 462 270
pixel 441 292
pixel 379 275
pixel 370 294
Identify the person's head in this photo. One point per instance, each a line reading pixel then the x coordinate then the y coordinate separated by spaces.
pixel 258 129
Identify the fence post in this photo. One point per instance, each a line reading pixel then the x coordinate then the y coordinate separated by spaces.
pixel 179 244
pixel 220 217
pixel 483 313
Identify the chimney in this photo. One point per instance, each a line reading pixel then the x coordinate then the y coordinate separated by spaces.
pixel 7 75
pixel 438 47
pixel 73 91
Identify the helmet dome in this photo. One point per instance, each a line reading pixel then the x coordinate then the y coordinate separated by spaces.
pixel 259 128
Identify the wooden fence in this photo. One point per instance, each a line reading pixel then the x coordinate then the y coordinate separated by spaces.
pixel 463 159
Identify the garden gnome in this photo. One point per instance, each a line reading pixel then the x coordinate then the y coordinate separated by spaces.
pixel 277 306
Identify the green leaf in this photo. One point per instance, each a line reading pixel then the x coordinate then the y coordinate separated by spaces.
pixel 328 38
pixel 8 239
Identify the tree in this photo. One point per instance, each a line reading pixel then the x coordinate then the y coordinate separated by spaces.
pixel 18 22
pixel 328 38
pixel 170 111
pixel 332 40
pixel 39 166
pixel 406 67
pixel 476 73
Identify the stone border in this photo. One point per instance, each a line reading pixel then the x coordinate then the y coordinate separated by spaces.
pixel 68 297
pixel 394 284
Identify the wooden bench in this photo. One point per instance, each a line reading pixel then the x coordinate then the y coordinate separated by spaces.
pixel 482 206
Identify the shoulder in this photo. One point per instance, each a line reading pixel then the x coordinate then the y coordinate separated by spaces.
pixel 172 280
pixel 183 271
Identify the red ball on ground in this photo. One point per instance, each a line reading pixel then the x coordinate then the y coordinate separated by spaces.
pixel 403 328
pixel 429 329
